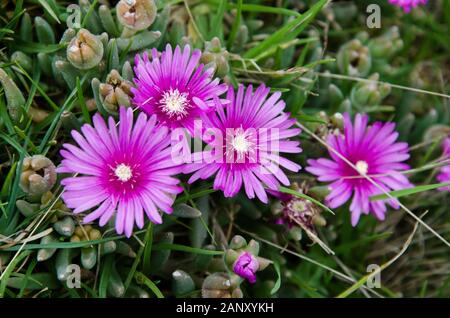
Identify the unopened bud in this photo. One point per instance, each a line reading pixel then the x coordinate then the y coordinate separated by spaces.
pixel 85 50
pixel 38 175
pixel 136 14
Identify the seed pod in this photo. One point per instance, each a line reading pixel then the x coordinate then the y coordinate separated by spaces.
pixel 136 15
pixel 85 50
pixel 65 227
pixel 88 257
pixel 38 175
pixel 14 97
pixel 182 283
pixel 44 254
pixel 44 31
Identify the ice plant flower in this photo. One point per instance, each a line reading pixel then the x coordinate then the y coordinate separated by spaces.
pixel 407 5
pixel 128 170
pixel 246 139
pixel 375 152
pixel 175 87
pixel 246 266
pixel 444 175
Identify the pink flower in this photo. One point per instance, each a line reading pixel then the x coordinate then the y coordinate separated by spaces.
pixel 128 170
pixel 407 5
pixel 248 137
pixel 175 87
pixel 444 175
pixel 246 266
pixel 375 152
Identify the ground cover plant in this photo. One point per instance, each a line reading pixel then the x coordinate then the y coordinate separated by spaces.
pixel 224 148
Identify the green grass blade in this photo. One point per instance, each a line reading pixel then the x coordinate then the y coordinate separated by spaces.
pixel 405 192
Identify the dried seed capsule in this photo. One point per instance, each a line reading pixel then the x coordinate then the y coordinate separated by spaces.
pixel 85 50
pixel 115 92
pixel 136 14
pixel 38 175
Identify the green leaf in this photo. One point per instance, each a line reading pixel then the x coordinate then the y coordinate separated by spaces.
pixel 217 22
pixel 85 111
pixel 8 271
pixel 32 47
pixel 49 9
pixel 288 32
pixel 405 192
pixel 277 285
pixel 149 283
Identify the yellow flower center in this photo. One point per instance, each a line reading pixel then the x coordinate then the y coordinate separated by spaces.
pixel 123 172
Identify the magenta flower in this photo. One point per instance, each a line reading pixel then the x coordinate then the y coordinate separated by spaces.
pixel 175 87
pixel 407 5
pixel 248 137
pixel 375 152
pixel 246 266
pixel 444 175
pixel 128 169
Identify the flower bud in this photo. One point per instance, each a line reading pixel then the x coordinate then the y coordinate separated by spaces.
pixel 85 50
pixel 246 266
pixel 216 56
pixel 369 93
pixel 238 242
pixel 38 175
pixel 354 59
pixel 136 15
pixel 115 92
